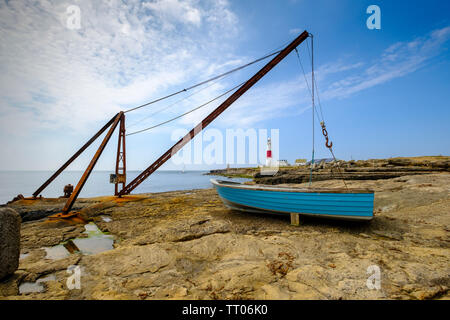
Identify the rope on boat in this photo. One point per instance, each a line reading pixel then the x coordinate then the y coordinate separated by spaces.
pixel 330 147
pixel 307 83
pixel 315 82
pixel 315 91
pixel 313 107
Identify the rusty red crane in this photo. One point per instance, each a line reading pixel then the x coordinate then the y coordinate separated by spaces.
pixel 119 120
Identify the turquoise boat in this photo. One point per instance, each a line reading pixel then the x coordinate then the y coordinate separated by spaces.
pixel 348 204
pixel 336 203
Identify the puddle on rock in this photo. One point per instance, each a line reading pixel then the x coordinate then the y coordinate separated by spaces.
pixel 35 287
pixel 23 256
pixel 50 277
pixel 96 242
pixel 56 252
pixel 106 219
pixel 31 287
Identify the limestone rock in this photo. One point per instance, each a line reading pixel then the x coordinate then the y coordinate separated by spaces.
pixel 188 245
pixel 272 292
pixel 9 241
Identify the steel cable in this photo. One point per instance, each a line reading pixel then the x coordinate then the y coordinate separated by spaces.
pixel 190 111
pixel 204 82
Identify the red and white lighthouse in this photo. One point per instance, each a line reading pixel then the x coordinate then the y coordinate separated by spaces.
pixel 269 153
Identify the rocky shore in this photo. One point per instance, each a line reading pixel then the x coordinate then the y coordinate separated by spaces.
pixel 188 245
pixel 373 169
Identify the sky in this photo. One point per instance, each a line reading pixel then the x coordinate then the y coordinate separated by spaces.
pixel 383 92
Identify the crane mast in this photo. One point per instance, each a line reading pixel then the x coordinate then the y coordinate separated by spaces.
pixel 213 115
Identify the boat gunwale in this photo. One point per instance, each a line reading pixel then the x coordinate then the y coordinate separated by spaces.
pixel 237 185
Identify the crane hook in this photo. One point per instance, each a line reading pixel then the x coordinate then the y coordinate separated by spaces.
pixel 329 145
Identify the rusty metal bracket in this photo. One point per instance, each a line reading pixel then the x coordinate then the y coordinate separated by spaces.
pixel 69 218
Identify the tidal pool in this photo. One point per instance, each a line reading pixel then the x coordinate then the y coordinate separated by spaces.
pixel 35 287
pixel 56 252
pixel 95 242
pixel 23 256
pixel 106 219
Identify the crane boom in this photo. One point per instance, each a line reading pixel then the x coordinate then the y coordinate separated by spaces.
pixel 213 115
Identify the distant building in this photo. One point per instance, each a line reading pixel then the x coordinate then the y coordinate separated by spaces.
pixel 283 163
pixel 300 162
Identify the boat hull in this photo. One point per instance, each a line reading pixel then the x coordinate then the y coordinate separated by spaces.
pixel 348 204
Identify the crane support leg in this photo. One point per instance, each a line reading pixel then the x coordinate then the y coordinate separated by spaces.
pixel 121 163
pixel 68 162
pixel 68 206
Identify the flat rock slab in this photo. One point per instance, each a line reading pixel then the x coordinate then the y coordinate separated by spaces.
pixel 188 245
pixel 9 241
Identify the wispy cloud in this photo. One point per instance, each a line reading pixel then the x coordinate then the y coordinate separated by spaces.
pixel 396 61
pixel 125 52
pixel 295 31
pixel 338 80
pixel 128 52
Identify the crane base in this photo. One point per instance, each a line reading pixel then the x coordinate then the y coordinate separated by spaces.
pixel 70 217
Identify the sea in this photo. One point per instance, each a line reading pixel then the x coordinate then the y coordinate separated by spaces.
pixel 13 183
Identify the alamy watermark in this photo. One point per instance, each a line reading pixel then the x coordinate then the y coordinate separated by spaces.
pixel 73 21
pixel 374 280
pixel 236 147
pixel 374 20
pixel 74 281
